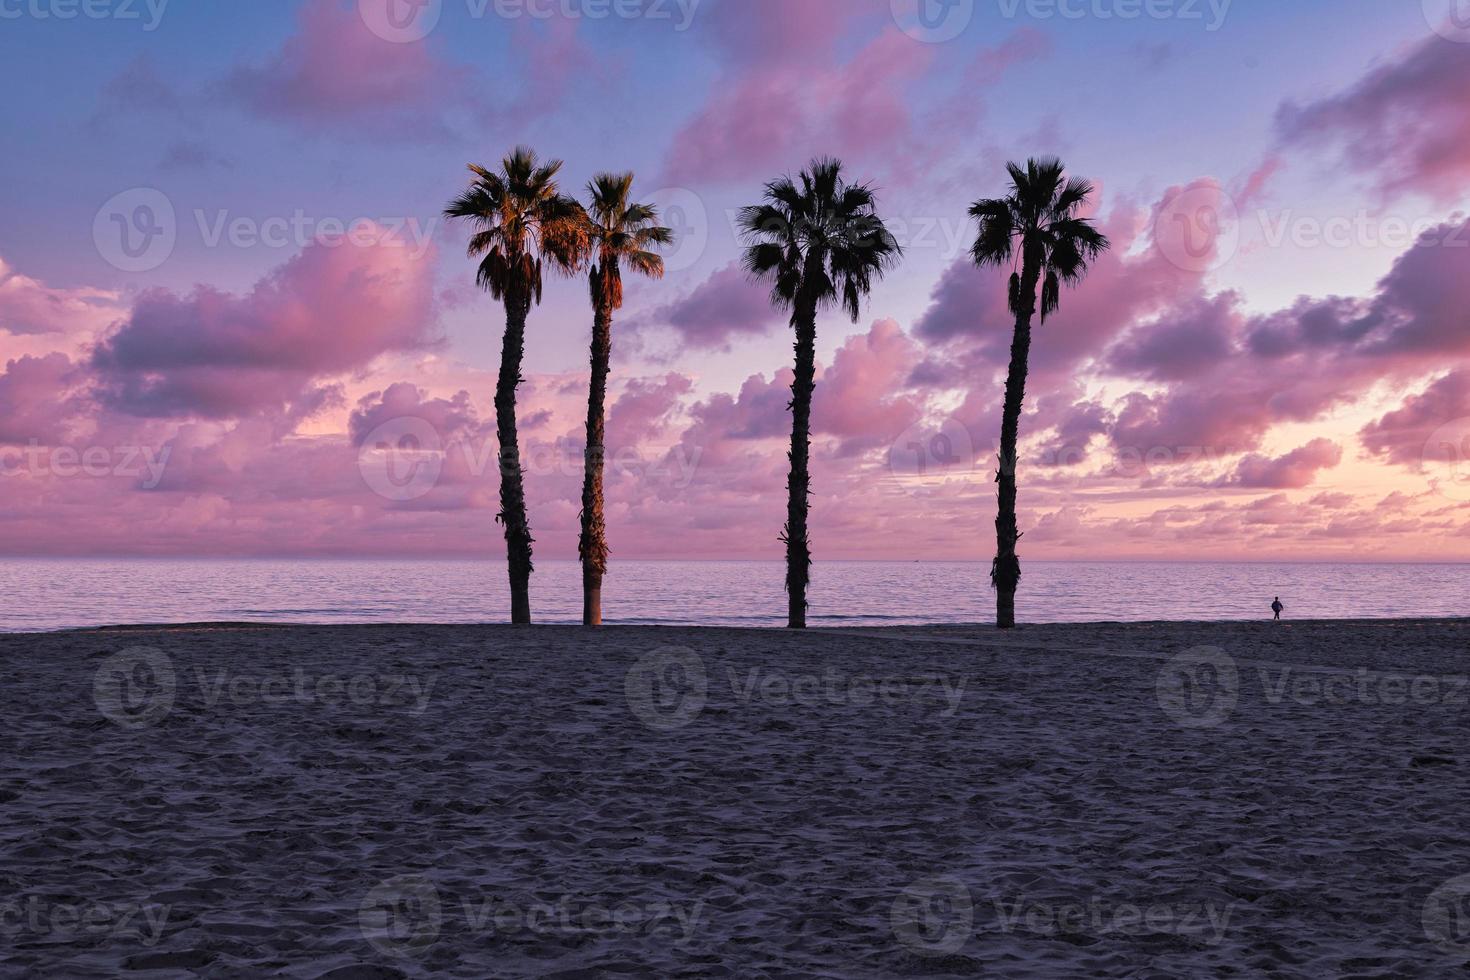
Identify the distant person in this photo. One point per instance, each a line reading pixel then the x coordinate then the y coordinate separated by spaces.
pixel 1277 607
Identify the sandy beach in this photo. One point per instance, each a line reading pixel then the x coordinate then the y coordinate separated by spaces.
pixel 1117 800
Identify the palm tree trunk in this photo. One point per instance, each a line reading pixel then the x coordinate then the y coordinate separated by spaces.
pixel 593 546
pixel 518 538
pixel 798 547
pixel 1005 573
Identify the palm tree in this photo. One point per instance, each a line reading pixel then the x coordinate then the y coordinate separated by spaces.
pixel 619 233
pixel 1036 225
pixel 820 242
pixel 521 222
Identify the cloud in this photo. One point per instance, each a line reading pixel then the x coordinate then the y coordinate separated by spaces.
pixel 1295 470
pixel 726 307
pixel 1414 318
pixel 1403 435
pixel 773 32
pixel 1406 124
pixel 37 400
pixel 1183 343
pixel 1204 372
pixel 770 119
pixel 329 310
pixel 838 78
pixel 724 426
pixel 450 418
pixel 645 409
pixel 28 306
pixel 336 72
pixel 861 399
pixel 968 306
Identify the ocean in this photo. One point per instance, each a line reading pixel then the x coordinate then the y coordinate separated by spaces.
pixel 47 594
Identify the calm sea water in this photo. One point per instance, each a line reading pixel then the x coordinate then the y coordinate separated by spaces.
pixel 58 594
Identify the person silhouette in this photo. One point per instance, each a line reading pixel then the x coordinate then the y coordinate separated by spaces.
pixel 1277 607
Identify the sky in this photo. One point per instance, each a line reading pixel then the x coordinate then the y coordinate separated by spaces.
pixel 229 301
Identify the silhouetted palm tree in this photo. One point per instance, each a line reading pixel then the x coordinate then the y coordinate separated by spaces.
pixel 620 233
pixel 1035 226
pixel 821 243
pixel 522 222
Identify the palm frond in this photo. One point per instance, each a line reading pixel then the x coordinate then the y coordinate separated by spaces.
pixel 764 258
pixel 518 218
pixel 649 264
pixel 819 237
pixel 766 220
pixel 1074 245
pixel 1051 295
pixel 616 232
pixel 995 242
pixel 1073 195
pixel 1039 219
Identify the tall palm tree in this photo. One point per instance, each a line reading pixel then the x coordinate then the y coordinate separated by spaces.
pixel 1035 227
pixel 620 233
pixel 820 242
pixel 522 223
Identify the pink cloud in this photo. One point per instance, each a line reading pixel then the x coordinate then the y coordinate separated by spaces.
pixel 450 418
pixel 1168 365
pixel 1403 435
pixel 969 304
pixel 968 328
pixel 726 307
pixel 1413 320
pixel 544 50
pixel 645 409
pixel 861 398
pixel 37 399
pixel 1406 124
pixel 1227 377
pixel 1293 471
pixel 336 71
pixel 762 32
pixel 724 426
pixel 1184 342
pixel 837 78
pixel 1420 310
pixel 774 118
pixel 331 309
pixel 28 306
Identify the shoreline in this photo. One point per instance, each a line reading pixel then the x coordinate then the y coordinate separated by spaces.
pixel 983 629
pixel 848 595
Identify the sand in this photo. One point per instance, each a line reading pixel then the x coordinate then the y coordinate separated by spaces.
pixel 1140 800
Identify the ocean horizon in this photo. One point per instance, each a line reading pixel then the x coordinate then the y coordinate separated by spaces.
pixel 44 594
